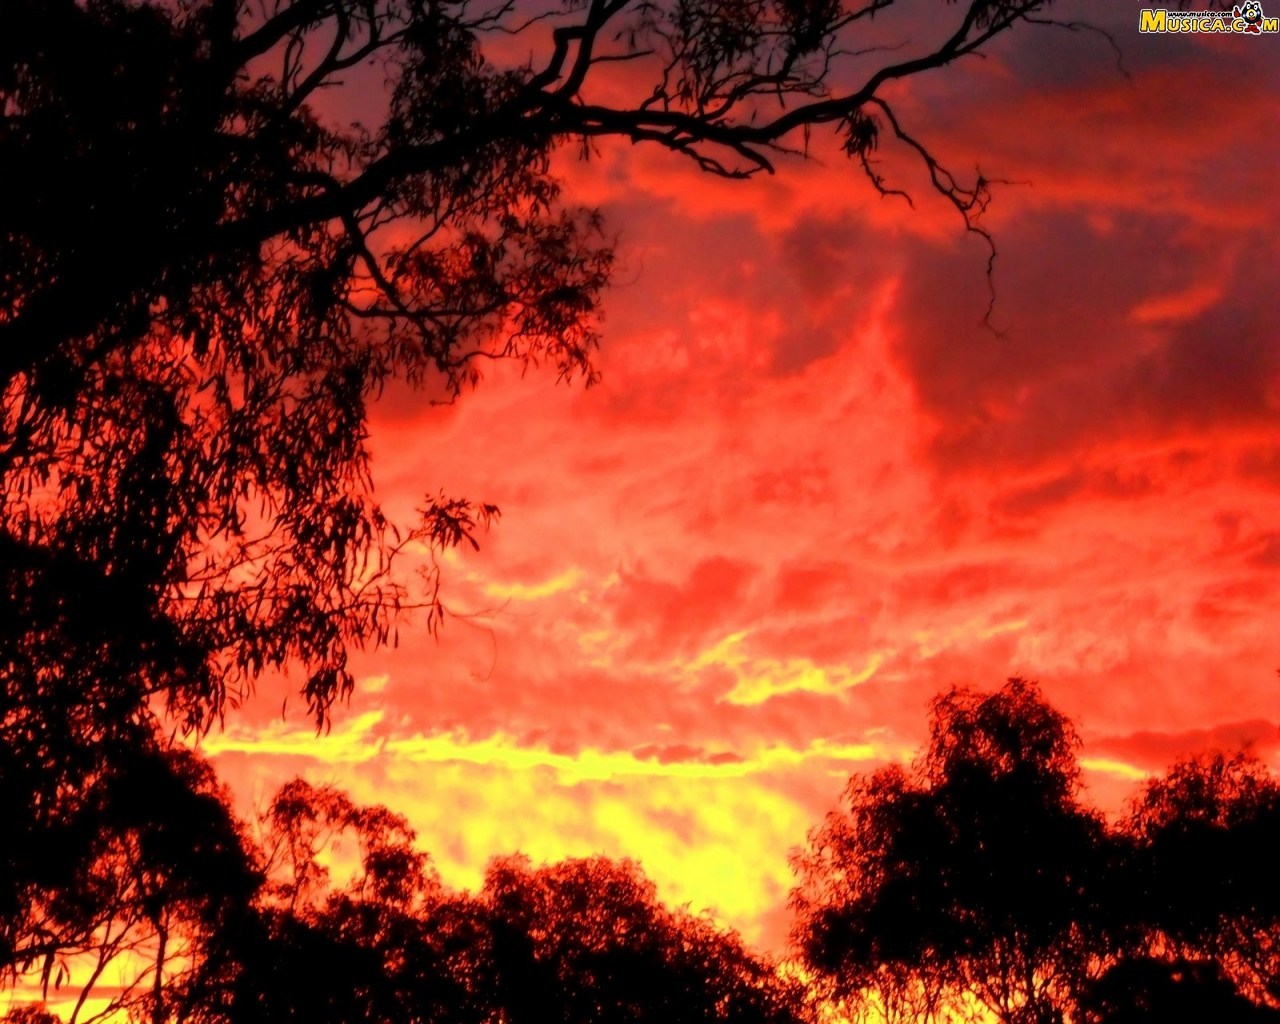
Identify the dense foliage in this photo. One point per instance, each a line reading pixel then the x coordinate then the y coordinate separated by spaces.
pixel 974 877
pixel 978 872
pixel 333 914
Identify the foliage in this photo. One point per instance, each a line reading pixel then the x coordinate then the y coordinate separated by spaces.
pixel 971 871
pixel 388 942
pixel 575 942
pixel 977 871
pixel 587 940
pixel 1151 991
pixel 335 915
pixel 206 277
pixel 1202 879
pixel 133 864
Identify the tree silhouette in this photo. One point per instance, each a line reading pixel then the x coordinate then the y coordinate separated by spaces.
pixel 1201 883
pixel 30 1015
pixel 977 873
pixel 206 276
pixel 137 862
pixel 1152 991
pixel 587 940
pixel 570 943
pixel 974 871
pixel 386 942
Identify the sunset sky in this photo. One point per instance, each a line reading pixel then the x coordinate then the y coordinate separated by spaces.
pixel 811 490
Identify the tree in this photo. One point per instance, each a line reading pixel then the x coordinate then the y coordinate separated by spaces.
pixel 570 943
pixel 974 871
pixel 378 938
pixel 978 871
pixel 137 869
pixel 587 940
pixel 1143 990
pixel 1199 883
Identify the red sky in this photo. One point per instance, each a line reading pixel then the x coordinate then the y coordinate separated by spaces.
pixel 811 490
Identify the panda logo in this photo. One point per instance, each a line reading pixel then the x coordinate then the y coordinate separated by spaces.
pixel 1250 13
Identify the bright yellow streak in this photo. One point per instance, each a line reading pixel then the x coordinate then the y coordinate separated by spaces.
pixel 357 744
pixel 760 679
pixel 350 745
pixel 1119 769
pixel 557 584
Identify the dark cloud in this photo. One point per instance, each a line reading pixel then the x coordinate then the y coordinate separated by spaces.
pixel 809 586
pixel 1021 501
pixel 1029 501
pixel 956 584
pixel 1266 551
pixel 681 753
pixel 1156 750
pixel 1260 462
pixel 1086 373
pixel 1220 369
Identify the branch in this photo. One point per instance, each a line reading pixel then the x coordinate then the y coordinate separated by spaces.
pixel 970 203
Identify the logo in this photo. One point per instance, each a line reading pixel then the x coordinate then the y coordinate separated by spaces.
pixel 1243 19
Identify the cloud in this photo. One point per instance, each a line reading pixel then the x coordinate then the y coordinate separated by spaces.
pixel 711 828
pixel 369 736
pixel 1184 304
pixel 556 584
pixel 812 490
pixel 1152 752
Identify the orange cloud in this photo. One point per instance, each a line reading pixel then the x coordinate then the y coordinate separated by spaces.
pixel 812 489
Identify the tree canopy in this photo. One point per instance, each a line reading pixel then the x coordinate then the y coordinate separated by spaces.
pixel 225 228
pixel 1202 883
pixel 210 267
pixel 971 871
pixel 978 872
pixel 207 274
pixel 333 914
pixel 975 877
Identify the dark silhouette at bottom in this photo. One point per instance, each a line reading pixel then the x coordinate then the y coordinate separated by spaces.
pixel 975 873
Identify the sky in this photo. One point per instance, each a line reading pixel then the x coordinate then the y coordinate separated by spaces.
pixel 812 490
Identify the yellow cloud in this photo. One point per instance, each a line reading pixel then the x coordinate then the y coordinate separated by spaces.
pixel 351 744
pixel 1174 307
pixel 536 591
pixel 357 744
pixel 710 831
pixel 1118 769
pixel 591 765
pixel 759 679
